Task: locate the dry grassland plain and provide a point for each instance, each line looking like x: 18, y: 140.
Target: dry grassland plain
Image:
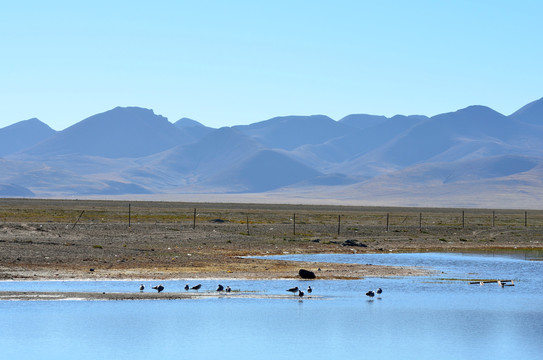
x: 93, y: 239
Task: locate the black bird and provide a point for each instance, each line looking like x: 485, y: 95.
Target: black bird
x: 196, y: 287
x: 158, y: 288
x: 142, y: 287
x: 293, y: 290
x: 187, y: 287
x: 300, y: 293
x: 220, y: 288
x: 228, y: 289
x: 379, y: 291
x: 309, y: 290
x: 370, y: 294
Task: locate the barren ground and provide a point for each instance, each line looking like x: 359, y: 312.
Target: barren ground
x: 76, y: 239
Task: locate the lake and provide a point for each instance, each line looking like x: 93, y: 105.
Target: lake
x: 439, y: 316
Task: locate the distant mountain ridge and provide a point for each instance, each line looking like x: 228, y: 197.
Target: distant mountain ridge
x: 120, y: 132
x: 22, y: 135
x: 129, y: 151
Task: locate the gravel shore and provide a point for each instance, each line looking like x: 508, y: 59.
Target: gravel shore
x: 54, y: 239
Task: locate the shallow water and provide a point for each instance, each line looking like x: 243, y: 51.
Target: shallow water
x: 415, y: 318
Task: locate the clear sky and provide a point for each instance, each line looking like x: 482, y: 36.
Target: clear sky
x: 236, y: 62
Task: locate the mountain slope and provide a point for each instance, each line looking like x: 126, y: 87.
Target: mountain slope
x: 265, y: 170
x: 22, y: 135
x: 531, y: 113
x: 468, y: 157
x: 221, y: 149
x: 121, y: 132
x: 289, y: 132
x: 11, y: 190
x: 363, y: 121
x: 192, y: 130
x: 355, y: 143
x: 435, y: 136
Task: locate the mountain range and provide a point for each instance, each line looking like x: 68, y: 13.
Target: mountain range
x: 473, y: 157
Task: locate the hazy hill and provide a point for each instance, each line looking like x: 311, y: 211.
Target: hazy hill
x: 213, y: 153
x: 265, y: 170
x: 24, y: 134
x: 229, y: 160
x: 289, y: 132
x: 471, y: 156
x: 192, y: 130
x: 121, y: 132
x: 363, y: 121
x: 467, y: 170
x: 473, y: 125
x: 188, y: 123
x: 11, y: 190
x: 530, y: 113
x: 357, y: 142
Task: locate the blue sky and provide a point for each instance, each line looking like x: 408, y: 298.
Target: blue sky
x: 236, y: 62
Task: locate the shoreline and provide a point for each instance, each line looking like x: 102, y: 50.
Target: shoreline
x: 99, y: 240
x: 328, y: 271
x: 116, y: 296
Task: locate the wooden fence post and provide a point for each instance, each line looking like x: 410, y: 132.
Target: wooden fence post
x: 248, y: 232
x: 294, y: 224
x: 493, y: 217
x: 194, y: 219
x: 78, y: 219
x: 129, y: 215
x: 339, y: 224
x: 388, y: 216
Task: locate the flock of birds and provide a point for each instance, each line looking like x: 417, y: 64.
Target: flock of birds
x: 160, y: 288
x: 301, y: 294
x: 220, y: 288
x: 372, y: 293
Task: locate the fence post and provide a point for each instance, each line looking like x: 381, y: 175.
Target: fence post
x: 248, y: 232
x: 78, y: 219
x: 194, y: 219
x: 388, y: 216
x: 493, y: 217
x: 129, y: 214
x: 294, y: 224
x: 420, y: 221
x: 463, y: 222
x: 338, y: 224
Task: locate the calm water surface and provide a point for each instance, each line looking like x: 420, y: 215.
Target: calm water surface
x: 434, y: 317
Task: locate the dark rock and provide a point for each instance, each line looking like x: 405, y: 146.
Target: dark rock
x: 220, y: 221
x: 306, y: 274
x: 353, y: 243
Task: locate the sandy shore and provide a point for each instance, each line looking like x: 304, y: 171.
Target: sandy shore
x: 56, y: 295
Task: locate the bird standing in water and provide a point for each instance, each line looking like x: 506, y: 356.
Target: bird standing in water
x: 159, y: 288
x: 220, y: 288
x: 293, y: 290
x: 196, y: 287
x: 309, y: 290
x: 370, y: 293
x: 142, y: 287
x: 379, y: 291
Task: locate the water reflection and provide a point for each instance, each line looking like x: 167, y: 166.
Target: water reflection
x: 439, y: 316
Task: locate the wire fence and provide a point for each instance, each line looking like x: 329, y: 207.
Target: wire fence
x: 254, y: 219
